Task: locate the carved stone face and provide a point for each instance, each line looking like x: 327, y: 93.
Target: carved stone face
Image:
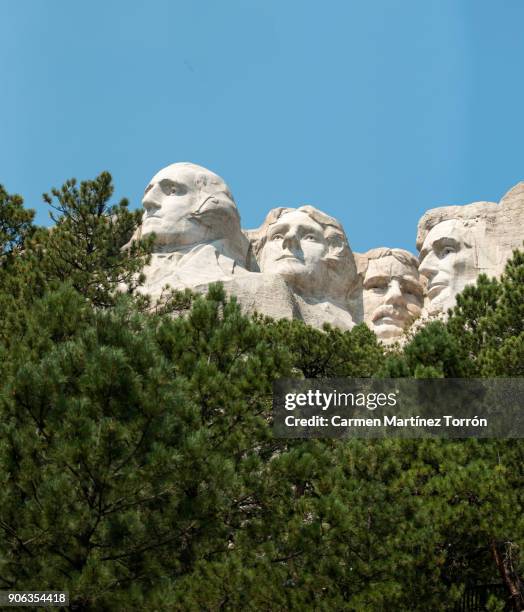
x: 448, y: 262
x: 296, y: 249
x: 392, y: 296
x: 179, y: 203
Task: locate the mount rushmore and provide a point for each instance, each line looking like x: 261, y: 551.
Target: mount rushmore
x: 299, y: 264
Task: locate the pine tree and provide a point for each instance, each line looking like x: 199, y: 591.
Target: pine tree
x: 488, y: 323
x: 128, y: 443
x: 16, y: 230
x: 16, y: 226
x: 86, y: 245
x: 329, y: 352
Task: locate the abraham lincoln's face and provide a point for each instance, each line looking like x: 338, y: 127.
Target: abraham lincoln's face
x: 447, y: 260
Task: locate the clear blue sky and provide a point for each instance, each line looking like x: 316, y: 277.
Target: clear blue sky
x: 371, y: 110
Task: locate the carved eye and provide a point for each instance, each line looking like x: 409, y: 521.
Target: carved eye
x: 447, y: 250
x: 172, y: 188
x: 277, y: 237
x: 410, y: 290
x: 310, y: 237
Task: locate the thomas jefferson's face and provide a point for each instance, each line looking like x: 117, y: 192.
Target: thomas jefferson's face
x: 295, y: 248
x: 392, y: 296
x: 448, y: 262
x: 170, y: 201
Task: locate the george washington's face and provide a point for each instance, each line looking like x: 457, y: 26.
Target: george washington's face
x: 175, y: 202
x: 169, y: 201
x: 447, y: 260
x: 392, y: 296
x: 295, y: 248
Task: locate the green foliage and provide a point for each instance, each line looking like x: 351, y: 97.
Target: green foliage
x: 16, y: 230
x: 86, y: 245
x: 328, y: 353
x: 433, y: 353
x: 16, y: 225
x: 488, y: 323
x: 139, y: 471
x: 84, y: 248
x: 119, y: 463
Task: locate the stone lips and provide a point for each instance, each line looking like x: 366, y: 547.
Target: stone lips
x: 299, y: 264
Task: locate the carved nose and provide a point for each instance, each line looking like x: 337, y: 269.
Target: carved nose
x: 150, y: 205
x: 152, y: 198
x: 394, y: 293
x: 427, y: 266
x: 290, y: 242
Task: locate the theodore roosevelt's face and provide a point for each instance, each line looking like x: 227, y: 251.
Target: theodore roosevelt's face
x: 392, y: 296
x: 447, y: 260
x: 171, y: 201
x: 295, y: 248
